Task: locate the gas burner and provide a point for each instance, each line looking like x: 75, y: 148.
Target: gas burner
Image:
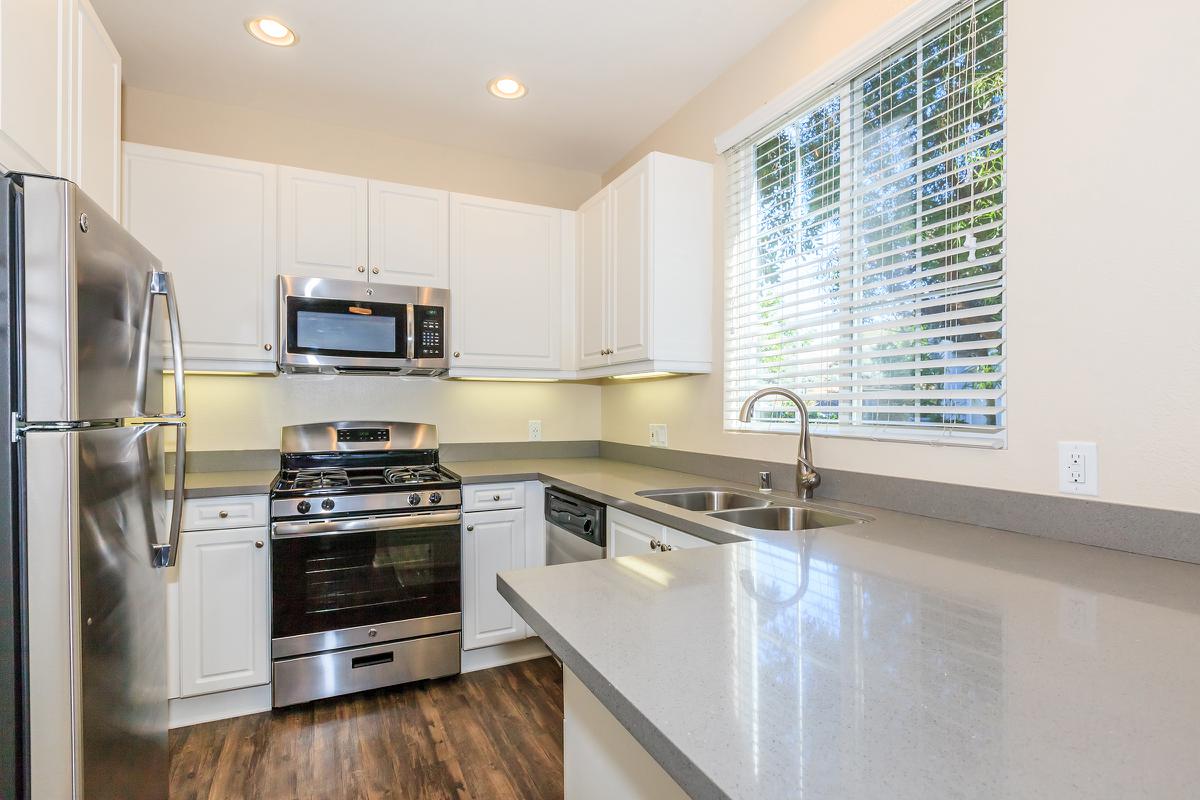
x: 320, y: 479
x: 403, y: 476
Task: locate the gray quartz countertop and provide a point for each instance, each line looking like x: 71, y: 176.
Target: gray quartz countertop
x: 906, y: 657
x: 220, y: 484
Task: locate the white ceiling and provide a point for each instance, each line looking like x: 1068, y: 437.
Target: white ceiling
x: 602, y: 74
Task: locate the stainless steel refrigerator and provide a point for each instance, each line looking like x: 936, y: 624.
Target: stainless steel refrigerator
x: 92, y: 531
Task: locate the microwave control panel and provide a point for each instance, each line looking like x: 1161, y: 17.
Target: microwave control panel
x: 430, y: 328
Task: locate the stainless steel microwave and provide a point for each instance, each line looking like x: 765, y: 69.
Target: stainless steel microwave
x: 352, y: 327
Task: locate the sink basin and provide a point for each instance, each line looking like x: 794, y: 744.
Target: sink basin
x: 784, y: 518
x: 706, y: 499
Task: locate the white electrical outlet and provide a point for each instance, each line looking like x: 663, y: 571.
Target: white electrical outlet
x: 658, y: 435
x: 1078, y: 468
x: 535, y: 430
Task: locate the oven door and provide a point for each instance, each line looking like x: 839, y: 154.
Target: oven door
x: 337, y: 326
x: 349, y: 582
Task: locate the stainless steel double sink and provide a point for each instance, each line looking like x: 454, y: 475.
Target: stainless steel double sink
x: 764, y: 513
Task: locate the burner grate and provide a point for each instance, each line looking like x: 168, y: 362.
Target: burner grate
x: 321, y: 479
x: 403, y: 476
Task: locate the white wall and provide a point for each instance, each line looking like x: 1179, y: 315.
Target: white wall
x: 1104, y: 284
x: 242, y: 413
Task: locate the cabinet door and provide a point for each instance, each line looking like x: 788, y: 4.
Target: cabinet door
x: 34, y: 45
x: 322, y: 224
x: 629, y: 290
x: 506, y: 284
x: 591, y: 308
x: 212, y: 222
x: 682, y: 540
x: 224, y: 639
x: 629, y: 535
x: 493, y: 541
x: 95, y: 137
x: 409, y: 237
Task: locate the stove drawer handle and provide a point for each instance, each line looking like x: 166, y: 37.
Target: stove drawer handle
x: 366, y: 524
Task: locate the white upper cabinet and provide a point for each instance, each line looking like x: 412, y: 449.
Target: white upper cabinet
x: 506, y: 286
x: 646, y: 271
x: 34, y: 52
x: 629, y: 270
x: 60, y: 95
x: 592, y: 238
x: 95, y: 140
x: 408, y: 237
x: 322, y: 224
x: 211, y: 221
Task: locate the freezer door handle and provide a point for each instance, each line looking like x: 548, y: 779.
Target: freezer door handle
x: 160, y: 283
x: 164, y: 555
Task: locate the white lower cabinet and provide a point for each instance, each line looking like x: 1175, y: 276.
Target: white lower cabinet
x: 631, y: 535
x: 493, y: 541
x: 223, y: 631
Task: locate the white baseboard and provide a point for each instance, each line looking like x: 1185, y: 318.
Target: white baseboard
x: 184, y: 711
x: 501, y: 654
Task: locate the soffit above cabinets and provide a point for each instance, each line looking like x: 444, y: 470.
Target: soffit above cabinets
x: 600, y: 76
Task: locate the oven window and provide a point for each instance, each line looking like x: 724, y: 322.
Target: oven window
x: 323, y: 330
x: 323, y: 583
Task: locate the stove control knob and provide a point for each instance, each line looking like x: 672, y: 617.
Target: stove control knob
x: 414, y: 499
x: 303, y: 507
x: 327, y: 504
x: 435, y: 498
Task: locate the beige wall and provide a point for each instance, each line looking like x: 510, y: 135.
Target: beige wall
x: 1104, y: 284
x: 235, y: 413
x: 241, y: 413
x: 186, y: 123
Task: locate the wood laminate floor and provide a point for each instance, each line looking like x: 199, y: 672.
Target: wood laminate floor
x: 493, y: 734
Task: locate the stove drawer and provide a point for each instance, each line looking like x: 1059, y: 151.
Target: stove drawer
x: 493, y: 496
x: 298, y: 680
x: 239, y: 511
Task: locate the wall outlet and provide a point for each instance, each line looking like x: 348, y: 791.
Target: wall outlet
x: 535, y: 430
x: 1078, y: 468
x: 658, y: 435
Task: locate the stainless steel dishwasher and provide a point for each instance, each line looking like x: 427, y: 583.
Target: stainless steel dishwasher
x: 574, y: 528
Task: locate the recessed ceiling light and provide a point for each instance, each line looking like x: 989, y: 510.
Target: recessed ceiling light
x: 271, y: 31
x: 507, y: 88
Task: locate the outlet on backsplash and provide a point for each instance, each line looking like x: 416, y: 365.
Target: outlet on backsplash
x: 658, y: 435
x: 535, y: 430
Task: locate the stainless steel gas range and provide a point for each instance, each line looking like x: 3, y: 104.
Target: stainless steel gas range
x: 365, y: 560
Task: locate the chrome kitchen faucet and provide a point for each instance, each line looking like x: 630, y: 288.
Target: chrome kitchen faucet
x: 807, y: 477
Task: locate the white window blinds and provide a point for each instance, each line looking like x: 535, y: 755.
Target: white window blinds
x: 865, y: 247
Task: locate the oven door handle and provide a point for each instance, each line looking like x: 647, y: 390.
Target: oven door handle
x: 362, y: 524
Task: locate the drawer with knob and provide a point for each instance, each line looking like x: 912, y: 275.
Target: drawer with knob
x: 238, y: 511
x: 488, y: 497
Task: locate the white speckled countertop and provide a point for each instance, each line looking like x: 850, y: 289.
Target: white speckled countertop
x: 903, y: 658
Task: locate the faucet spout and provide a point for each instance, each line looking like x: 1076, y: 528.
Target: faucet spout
x: 807, y: 477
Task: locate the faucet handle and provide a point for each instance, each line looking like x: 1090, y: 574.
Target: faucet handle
x: 764, y: 481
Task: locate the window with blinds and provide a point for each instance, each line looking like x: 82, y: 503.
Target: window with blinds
x: 865, y: 261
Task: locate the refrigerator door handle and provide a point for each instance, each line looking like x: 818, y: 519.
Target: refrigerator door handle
x: 164, y: 555
x: 160, y: 283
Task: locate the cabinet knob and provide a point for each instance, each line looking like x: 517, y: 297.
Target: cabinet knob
x: 496, y: 497
x: 362, y: 269
x: 222, y: 514
x: 259, y: 544
x: 372, y: 633
x: 374, y: 270
x: 268, y: 347
x: 655, y: 544
x: 665, y: 547
x: 457, y: 354
x: 470, y: 527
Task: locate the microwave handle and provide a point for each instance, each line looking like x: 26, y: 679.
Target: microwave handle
x: 410, y: 333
